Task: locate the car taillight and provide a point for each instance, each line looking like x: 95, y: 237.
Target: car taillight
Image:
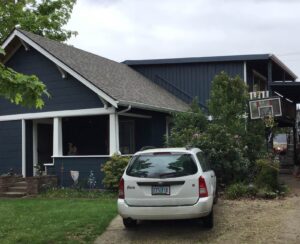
x: 121, y: 189
x: 202, y: 187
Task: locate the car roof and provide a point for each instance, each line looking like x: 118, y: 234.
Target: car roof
x: 173, y: 149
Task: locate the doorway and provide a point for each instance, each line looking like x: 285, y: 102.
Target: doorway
x: 42, y: 143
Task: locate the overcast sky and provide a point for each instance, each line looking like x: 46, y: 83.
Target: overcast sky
x: 147, y: 29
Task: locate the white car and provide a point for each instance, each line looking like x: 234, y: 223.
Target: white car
x: 165, y: 184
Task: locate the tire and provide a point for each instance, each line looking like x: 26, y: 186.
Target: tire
x: 208, y: 221
x: 129, y: 223
x: 216, y: 197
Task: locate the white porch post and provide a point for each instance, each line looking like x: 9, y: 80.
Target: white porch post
x: 34, y: 146
x: 113, y: 133
x: 23, y: 148
x: 57, y: 137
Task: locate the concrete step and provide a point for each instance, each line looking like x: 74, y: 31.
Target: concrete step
x: 21, y: 183
x: 17, y: 189
x: 286, y: 171
x: 13, y: 194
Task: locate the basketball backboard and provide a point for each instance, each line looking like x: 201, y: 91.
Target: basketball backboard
x: 261, y: 108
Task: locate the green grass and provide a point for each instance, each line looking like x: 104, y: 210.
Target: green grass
x: 47, y: 220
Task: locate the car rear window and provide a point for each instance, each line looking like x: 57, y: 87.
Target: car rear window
x: 162, y: 165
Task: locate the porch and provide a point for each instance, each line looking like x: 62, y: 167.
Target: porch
x: 84, y: 140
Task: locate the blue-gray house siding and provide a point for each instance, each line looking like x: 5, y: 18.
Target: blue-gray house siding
x: 66, y: 94
x: 189, y: 80
x: 11, y: 146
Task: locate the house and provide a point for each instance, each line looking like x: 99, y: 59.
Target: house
x: 266, y: 76
x: 98, y: 107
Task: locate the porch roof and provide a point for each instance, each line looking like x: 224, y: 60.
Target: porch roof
x: 290, y: 90
x: 117, y: 81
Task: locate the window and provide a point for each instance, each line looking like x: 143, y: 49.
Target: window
x: 203, y: 162
x: 127, y: 136
x: 162, y: 165
x: 85, y: 135
x: 259, y: 82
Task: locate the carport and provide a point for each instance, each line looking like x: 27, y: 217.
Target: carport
x: 290, y: 96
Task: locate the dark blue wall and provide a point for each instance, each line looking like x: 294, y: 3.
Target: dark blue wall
x: 63, y: 166
x: 66, y: 94
x: 148, y: 132
x: 189, y: 80
x: 11, y: 146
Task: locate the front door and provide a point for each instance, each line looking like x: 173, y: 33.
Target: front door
x: 44, y: 143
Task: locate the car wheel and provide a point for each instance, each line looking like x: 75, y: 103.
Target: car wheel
x: 208, y: 221
x: 129, y: 223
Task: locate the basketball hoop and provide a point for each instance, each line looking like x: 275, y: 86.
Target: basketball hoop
x: 265, y: 108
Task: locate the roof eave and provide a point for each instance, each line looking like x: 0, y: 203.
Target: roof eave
x: 283, y: 66
x: 151, y: 107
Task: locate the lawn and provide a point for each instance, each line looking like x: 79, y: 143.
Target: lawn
x: 47, y: 220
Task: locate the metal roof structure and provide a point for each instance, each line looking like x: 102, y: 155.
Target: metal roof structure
x: 230, y: 58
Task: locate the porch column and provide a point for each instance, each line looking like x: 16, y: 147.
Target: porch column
x: 57, y: 137
x: 270, y: 78
x: 113, y: 133
x: 23, y: 147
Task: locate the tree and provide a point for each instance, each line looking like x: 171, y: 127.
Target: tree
x: 187, y: 126
x: 45, y: 18
x: 231, y: 141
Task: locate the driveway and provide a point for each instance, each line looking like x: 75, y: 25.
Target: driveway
x: 245, y: 221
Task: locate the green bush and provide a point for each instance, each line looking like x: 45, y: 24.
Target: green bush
x: 113, y: 171
x: 267, y: 175
x: 236, y: 190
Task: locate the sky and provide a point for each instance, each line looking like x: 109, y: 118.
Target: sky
x: 149, y: 29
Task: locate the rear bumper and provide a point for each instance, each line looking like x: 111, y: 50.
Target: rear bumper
x: 201, y: 209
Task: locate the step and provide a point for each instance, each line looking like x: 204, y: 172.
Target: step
x: 13, y: 194
x: 17, y: 189
x: 285, y: 171
x: 21, y: 183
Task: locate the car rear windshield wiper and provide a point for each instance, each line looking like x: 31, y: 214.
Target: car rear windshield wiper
x: 173, y: 174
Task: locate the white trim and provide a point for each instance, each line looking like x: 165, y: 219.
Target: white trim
x: 245, y: 72
x: 62, y: 72
x: 61, y: 65
x: 136, y: 115
x: 63, y: 113
x: 57, y: 137
x: 149, y: 107
x: 113, y: 134
x: 81, y: 156
x: 24, y: 45
x: 34, y: 146
x: 23, y: 148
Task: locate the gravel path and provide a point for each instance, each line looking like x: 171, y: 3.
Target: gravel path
x: 245, y: 221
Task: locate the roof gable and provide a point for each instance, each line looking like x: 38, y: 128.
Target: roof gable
x: 115, y: 82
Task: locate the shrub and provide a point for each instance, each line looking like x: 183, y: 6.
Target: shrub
x: 113, y: 171
x: 267, y: 176
x: 236, y: 190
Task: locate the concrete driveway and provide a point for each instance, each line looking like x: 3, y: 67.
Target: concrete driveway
x: 245, y: 221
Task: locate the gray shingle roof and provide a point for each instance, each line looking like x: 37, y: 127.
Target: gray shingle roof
x: 117, y: 80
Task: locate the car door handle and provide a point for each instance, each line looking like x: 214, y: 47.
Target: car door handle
x: 212, y: 176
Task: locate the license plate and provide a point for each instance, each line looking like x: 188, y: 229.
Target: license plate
x: 160, y: 190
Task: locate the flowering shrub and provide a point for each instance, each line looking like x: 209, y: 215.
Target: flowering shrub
x: 113, y: 170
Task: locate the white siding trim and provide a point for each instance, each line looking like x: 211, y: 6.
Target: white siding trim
x: 23, y: 148
x: 63, y: 113
x: 61, y: 65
